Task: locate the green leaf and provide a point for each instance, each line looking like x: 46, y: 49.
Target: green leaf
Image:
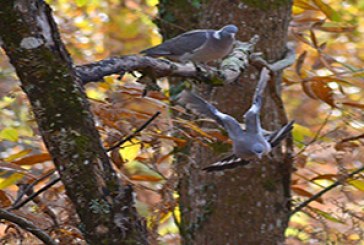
x: 327, y: 216
x: 299, y: 133
x: 327, y: 10
x: 10, y: 134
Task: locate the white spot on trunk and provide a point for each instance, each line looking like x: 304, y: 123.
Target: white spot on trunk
x: 31, y: 42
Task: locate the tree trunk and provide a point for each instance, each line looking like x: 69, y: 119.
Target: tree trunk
x: 30, y: 38
x: 241, y: 206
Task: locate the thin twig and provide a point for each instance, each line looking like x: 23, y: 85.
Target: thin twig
x: 317, y: 135
x: 322, y: 192
x: 28, y: 226
x: 31, y: 186
x: 141, y: 128
x: 35, y: 194
x: 360, y: 136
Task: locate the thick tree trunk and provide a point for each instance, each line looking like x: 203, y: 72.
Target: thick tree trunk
x: 241, y: 206
x: 30, y: 38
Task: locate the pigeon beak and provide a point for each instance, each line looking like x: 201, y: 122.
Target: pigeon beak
x: 259, y: 155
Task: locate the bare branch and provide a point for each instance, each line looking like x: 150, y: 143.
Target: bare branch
x: 31, y: 186
x: 238, y: 60
x: 322, y: 192
x: 230, y: 68
x: 289, y: 58
x: 35, y: 194
x: 28, y: 226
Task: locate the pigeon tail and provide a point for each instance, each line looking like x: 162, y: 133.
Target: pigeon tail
x: 229, y: 162
x: 276, y: 137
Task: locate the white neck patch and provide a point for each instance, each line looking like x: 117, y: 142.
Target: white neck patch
x: 217, y: 35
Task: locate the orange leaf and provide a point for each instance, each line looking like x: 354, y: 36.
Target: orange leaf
x: 305, y: 193
x: 319, y: 90
x: 34, y: 159
x: 325, y: 176
x: 145, y: 178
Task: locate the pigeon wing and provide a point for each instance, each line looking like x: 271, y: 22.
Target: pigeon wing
x: 199, y: 105
x: 187, y: 42
x: 252, y: 116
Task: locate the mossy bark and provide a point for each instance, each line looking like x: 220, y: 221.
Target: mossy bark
x: 31, y: 40
x: 241, y: 206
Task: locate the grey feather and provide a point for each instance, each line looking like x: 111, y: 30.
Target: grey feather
x: 197, y: 45
x: 229, y: 162
x: 277, y: 136
x: 199, y: 105
x: 252, y: 142
x: 252, y: 116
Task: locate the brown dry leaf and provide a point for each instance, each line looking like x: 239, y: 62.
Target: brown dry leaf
x: 346, y: 146
x: 180, y: 142
x: 164, y: 157
x: 38, y: 219
x: 300, y: 62
x: 194, y: 127
x: 313, y: 38
x: 116, y: 158
x: 302, y: 38
x: 353, y: 104
x: 319, y: 90
x: 336, y: 27
x: 71, y: 233
x: 34, y: 159
x: 326, y: 176
x: 15, y: 168
x: 302, y: 192
x: 4, y: 199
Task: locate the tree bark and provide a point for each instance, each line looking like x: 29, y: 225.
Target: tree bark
x: 241, y: 206
x: 31, y: 40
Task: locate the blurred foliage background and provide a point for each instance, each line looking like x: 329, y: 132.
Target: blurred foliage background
x: 323, y: 92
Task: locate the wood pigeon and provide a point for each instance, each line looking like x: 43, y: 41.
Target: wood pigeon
x: 197, y: 45
x: 248, y: 143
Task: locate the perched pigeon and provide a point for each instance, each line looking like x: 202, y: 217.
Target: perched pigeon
x: 248, y: 143
x: 197, y: 45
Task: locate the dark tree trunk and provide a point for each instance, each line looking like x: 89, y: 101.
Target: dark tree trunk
x: 30, y: 38
x: 241, y: 206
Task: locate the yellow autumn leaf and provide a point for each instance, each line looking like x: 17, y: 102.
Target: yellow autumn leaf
x: 17, y: 155
x: 130, y: 150
x: 10, y: 134
x: 11, y: 180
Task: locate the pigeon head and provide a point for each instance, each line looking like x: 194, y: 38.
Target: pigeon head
x: 258, y: 150
x: 228, y: 31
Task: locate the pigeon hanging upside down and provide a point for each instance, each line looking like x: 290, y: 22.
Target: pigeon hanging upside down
x: 197, y: 46
x: 254, y: 141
